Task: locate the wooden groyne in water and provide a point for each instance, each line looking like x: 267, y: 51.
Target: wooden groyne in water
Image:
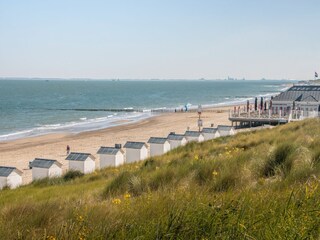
x: 169, y: 110
x: 110, y: 110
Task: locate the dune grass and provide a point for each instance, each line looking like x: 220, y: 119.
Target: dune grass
x: 255, y: 185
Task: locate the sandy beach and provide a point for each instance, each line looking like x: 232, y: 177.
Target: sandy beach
x: 19, y: 152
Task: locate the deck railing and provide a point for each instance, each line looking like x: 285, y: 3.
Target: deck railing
x: 292, y: 115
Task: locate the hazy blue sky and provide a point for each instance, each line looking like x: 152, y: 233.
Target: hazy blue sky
x: 160, y: 39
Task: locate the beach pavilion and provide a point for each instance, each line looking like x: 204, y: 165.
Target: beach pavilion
x: 83, y: 162
x: 45, y: 168
x: 158, y: 146
x: 10, y: 177
x: 305, y: 98
x: 136, y: 151
x: 111, y: 156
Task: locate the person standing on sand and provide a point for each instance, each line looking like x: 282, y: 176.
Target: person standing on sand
x: 68, y: 149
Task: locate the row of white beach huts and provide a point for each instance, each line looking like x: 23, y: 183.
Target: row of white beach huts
x: 110, y: 156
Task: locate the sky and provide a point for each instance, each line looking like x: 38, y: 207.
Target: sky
x: 163, y: 39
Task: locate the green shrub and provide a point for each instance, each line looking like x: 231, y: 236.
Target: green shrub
x: 48, y: 181
x: 95, y: 177
x: 119, y: 184
x: 204, y: 171
x: 280, y: 159
x: 136, y: 185
x: 72, y: 174
x: 225, y: 182
x: 150, y: 164
x: 316, y: 157
x: 161, y: 178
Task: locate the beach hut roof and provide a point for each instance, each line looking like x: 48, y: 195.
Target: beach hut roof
x: 224, y: 128
x: 177, y: 137
x: 6, y: 171
x: 75, y: 156
x: 109, y: 150
x: 134, y: 145
x: 157, y: 140
x: 192, y: 133
x: 302, y: 93
x: 209, y: 130
x: 44, y: 163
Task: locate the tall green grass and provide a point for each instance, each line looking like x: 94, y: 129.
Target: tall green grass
x: 255, y: 185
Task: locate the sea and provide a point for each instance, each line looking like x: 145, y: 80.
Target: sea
x: 36, y: 107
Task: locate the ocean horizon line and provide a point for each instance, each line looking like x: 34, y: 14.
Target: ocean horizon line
x: 143, y: 79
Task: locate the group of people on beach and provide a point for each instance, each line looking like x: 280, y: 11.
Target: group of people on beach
x: 185, y: 109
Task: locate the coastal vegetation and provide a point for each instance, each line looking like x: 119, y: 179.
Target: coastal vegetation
x: 254, y: 185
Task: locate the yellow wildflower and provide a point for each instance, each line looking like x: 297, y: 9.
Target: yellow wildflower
x: 196, y: 157
x: 127, y: 196
x: 215, y: 173
x: 116, y: 201
x: 80, y: 218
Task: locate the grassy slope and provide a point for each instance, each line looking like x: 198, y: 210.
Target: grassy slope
x: 256, y: 185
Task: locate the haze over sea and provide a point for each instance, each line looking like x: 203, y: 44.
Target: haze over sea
x: 36, y: 107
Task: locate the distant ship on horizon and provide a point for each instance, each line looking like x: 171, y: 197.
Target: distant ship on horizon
x: 234, y: 79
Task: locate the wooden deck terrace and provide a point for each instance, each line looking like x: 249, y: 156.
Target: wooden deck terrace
x: 255, y: 118
x: 258, y: 118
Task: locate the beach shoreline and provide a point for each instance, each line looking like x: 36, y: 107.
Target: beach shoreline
x: 19, y: 152
x: 101, y: 104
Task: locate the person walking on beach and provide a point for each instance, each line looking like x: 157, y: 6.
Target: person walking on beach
x: 68, y: 149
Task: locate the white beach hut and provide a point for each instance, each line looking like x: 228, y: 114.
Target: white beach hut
x: 136, y: 151
x: 158, y: 146
x: 225, y: 130
x: 176, y: 140
x: 45, y: 168
x: 111, y: 156
x: 194, y: 136
x: 210, y: 133
x: 10, y: 177
x: 83, y: 162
